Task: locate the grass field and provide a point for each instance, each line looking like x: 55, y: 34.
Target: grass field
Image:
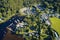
x: 56, y: 24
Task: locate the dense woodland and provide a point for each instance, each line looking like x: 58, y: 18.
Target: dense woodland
x: 9, y: 8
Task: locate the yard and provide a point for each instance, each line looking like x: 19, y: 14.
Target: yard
x: 56, y: 24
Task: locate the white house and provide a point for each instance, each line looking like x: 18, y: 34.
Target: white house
x: 21, y: 24
x: 48, y: 22
x: 1, y: 20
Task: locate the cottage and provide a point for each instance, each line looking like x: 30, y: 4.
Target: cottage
x: 20, y: 25
x: 1, y: 19
x: 48, y: 22
x: 44, y: 17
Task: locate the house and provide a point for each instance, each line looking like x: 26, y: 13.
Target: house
x: 21, y: 24
x: 1, y: 19
x: 44, y: 16
x: 48, y: 22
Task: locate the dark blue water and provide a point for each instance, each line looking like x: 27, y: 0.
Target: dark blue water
x: 2, y: 33
x: 7, y: 23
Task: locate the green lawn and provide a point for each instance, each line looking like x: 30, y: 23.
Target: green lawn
x: 56, y: 24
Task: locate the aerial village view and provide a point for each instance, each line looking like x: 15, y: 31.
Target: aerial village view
x: 29, y: 19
